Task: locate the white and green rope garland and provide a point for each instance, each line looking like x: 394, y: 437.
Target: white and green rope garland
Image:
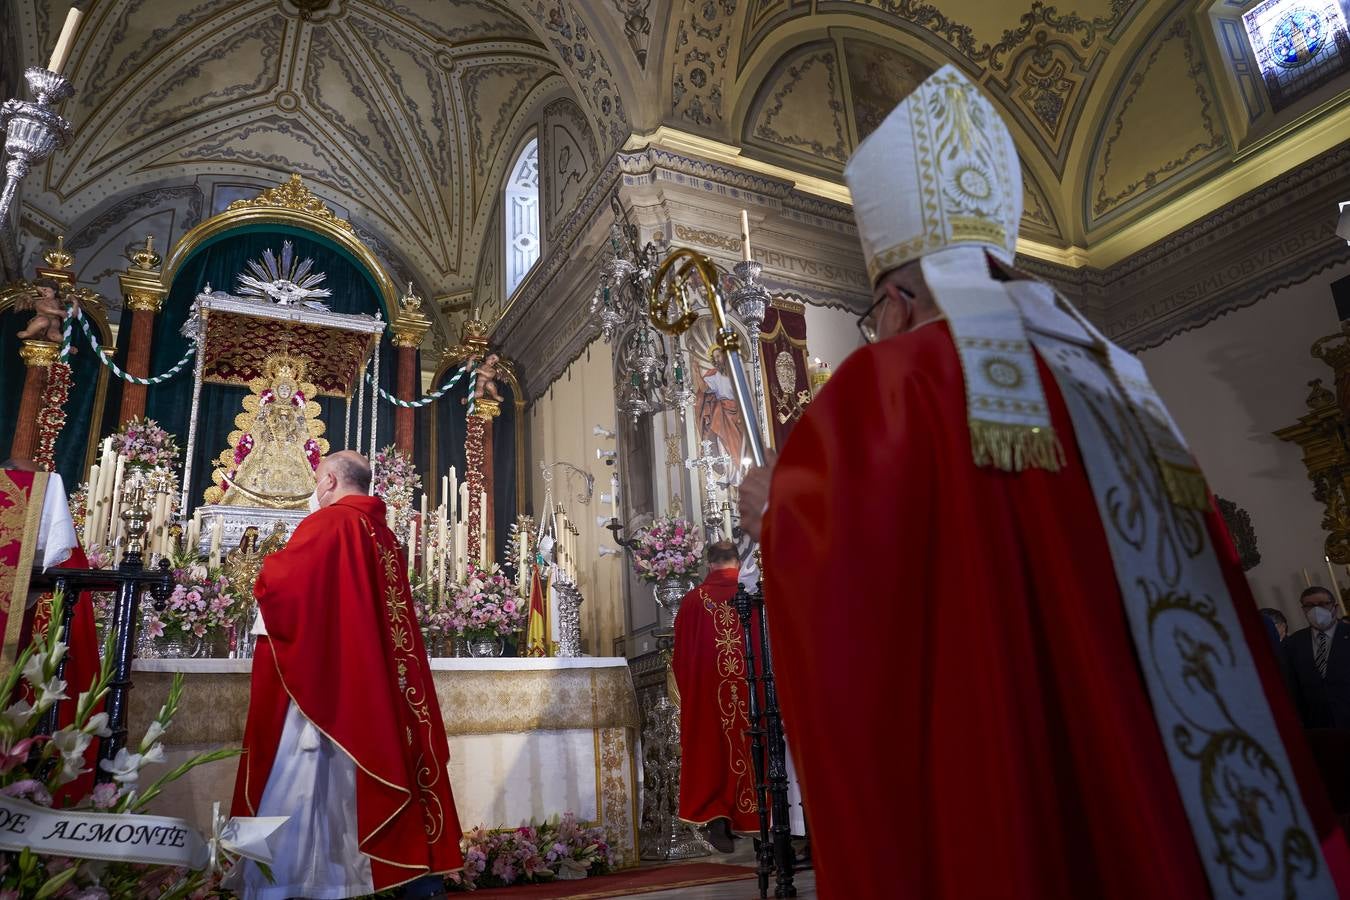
x: 106, y: 358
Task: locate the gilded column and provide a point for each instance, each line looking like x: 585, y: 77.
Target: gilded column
x: 485, y: 411
x: 409, y: 327
x: 37, y: 356
x: 144, y: 293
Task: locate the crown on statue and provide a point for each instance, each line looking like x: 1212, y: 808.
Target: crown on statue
x: 284, y: 373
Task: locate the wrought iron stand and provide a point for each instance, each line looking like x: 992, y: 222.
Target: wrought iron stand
x: 768, y: 752
x: 130, y: 580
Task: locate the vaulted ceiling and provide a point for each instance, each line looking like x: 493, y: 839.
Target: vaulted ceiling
x: 1119, y: 108
x: 404, y: 114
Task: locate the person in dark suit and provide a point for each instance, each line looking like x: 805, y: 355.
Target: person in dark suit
x: 1316, y: 663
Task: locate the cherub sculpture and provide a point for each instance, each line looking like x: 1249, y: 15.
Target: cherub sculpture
x: 486, y: 387
x: 49, y: 311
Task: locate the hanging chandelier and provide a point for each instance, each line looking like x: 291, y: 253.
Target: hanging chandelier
x: 651, y: 372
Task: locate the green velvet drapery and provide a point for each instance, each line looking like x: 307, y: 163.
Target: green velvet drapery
x: 72, y: 446
x: 218, y: 264
x: 448, y: 417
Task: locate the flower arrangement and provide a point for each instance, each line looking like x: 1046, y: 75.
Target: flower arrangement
x: 486, y: 606
x: 559, y: 848
x: 145, y: 445
x: 434, y: 616
x: 34, y: 767
x: 667, y: 548
x: 200, y: 606
x: 51, y: 416
x: 396, y: 482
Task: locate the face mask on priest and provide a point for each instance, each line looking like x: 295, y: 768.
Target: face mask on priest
x: 325, y: 483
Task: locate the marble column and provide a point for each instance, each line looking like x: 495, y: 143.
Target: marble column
x: 409, y: 327
x: 37, y: 356
x: 144, y: 293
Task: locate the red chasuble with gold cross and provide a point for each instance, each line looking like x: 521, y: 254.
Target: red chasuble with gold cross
x: 717, y: 780
x: 343, y: 643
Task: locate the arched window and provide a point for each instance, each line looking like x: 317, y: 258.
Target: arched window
x: 522, y: 216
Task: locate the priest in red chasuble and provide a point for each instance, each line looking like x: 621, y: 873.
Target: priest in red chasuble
x: 344, y: 733
x: 717, y: 781
x: 1059, y: 686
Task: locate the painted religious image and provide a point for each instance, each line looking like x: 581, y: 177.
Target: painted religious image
x: 717, y: 418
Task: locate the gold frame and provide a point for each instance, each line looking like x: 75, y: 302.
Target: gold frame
x: 9, y: 294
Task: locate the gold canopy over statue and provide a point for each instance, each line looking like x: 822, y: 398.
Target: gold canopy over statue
x: 277, y: 444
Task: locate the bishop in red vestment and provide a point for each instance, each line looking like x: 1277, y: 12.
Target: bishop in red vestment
x: 1059, y: 686
x: 717, y: 780
x: 344, y: 732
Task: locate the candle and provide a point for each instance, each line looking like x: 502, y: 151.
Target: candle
x: 65, y: 42
x: 1335, y: 585
x: 217, y: 540
x: 482, y: 529
x: 745, y: 236
x: 463, y: 503
x: 452, y: 495
x: 445, y: 487
x: 614, y: 496
x: 412, y: 549
x: 1307, y: 579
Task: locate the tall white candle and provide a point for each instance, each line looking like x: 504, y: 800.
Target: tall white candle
x: 483, y: 554
x: 217, y: 540
x: 65, y: 42
x: 452, y: 495
x: 745, y: 236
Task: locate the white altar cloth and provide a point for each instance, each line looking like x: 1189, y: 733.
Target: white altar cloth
x: 529, y: 738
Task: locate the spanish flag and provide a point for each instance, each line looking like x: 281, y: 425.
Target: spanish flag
x: 536, y: 632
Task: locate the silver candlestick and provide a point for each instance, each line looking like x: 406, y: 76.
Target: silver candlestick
x: 750, y: 301
x: 32, y: 131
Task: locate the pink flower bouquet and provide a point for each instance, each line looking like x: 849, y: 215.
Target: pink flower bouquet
x: 667, y: 548
x: 486, y: 606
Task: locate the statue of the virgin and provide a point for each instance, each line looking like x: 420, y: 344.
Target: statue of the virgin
x: 277, y: 445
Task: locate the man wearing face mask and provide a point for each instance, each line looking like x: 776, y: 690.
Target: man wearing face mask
x: 1317, y: 663
x: 1066, y: 656
x: 344, y: 733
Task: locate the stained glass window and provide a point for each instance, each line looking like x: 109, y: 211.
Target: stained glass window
x: 1300, y: 45
x: 522, y: 216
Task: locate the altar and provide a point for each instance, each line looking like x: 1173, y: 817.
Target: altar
x: 529, y: 738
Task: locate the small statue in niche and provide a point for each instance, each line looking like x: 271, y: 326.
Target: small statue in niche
x: 486, y: 385
x: 49, y: 311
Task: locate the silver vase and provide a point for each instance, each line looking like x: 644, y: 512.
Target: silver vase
x: 670, y: 591
x: 486, y: 648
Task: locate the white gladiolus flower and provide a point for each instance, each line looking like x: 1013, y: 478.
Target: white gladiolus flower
x: 18, y: 714
x: 98, y: 725
x: 72, y: 745
x: 152, y: 733
x: 125, y: 767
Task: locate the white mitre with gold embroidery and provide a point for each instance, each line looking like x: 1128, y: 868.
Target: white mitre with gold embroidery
x: 939, y: 182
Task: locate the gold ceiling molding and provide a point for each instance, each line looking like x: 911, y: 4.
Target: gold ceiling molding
x: 288, y: 204
x: 293, y: 195
x: 1251, y: 171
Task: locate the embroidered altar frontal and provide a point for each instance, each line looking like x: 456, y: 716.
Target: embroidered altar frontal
x: 529, y: 738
